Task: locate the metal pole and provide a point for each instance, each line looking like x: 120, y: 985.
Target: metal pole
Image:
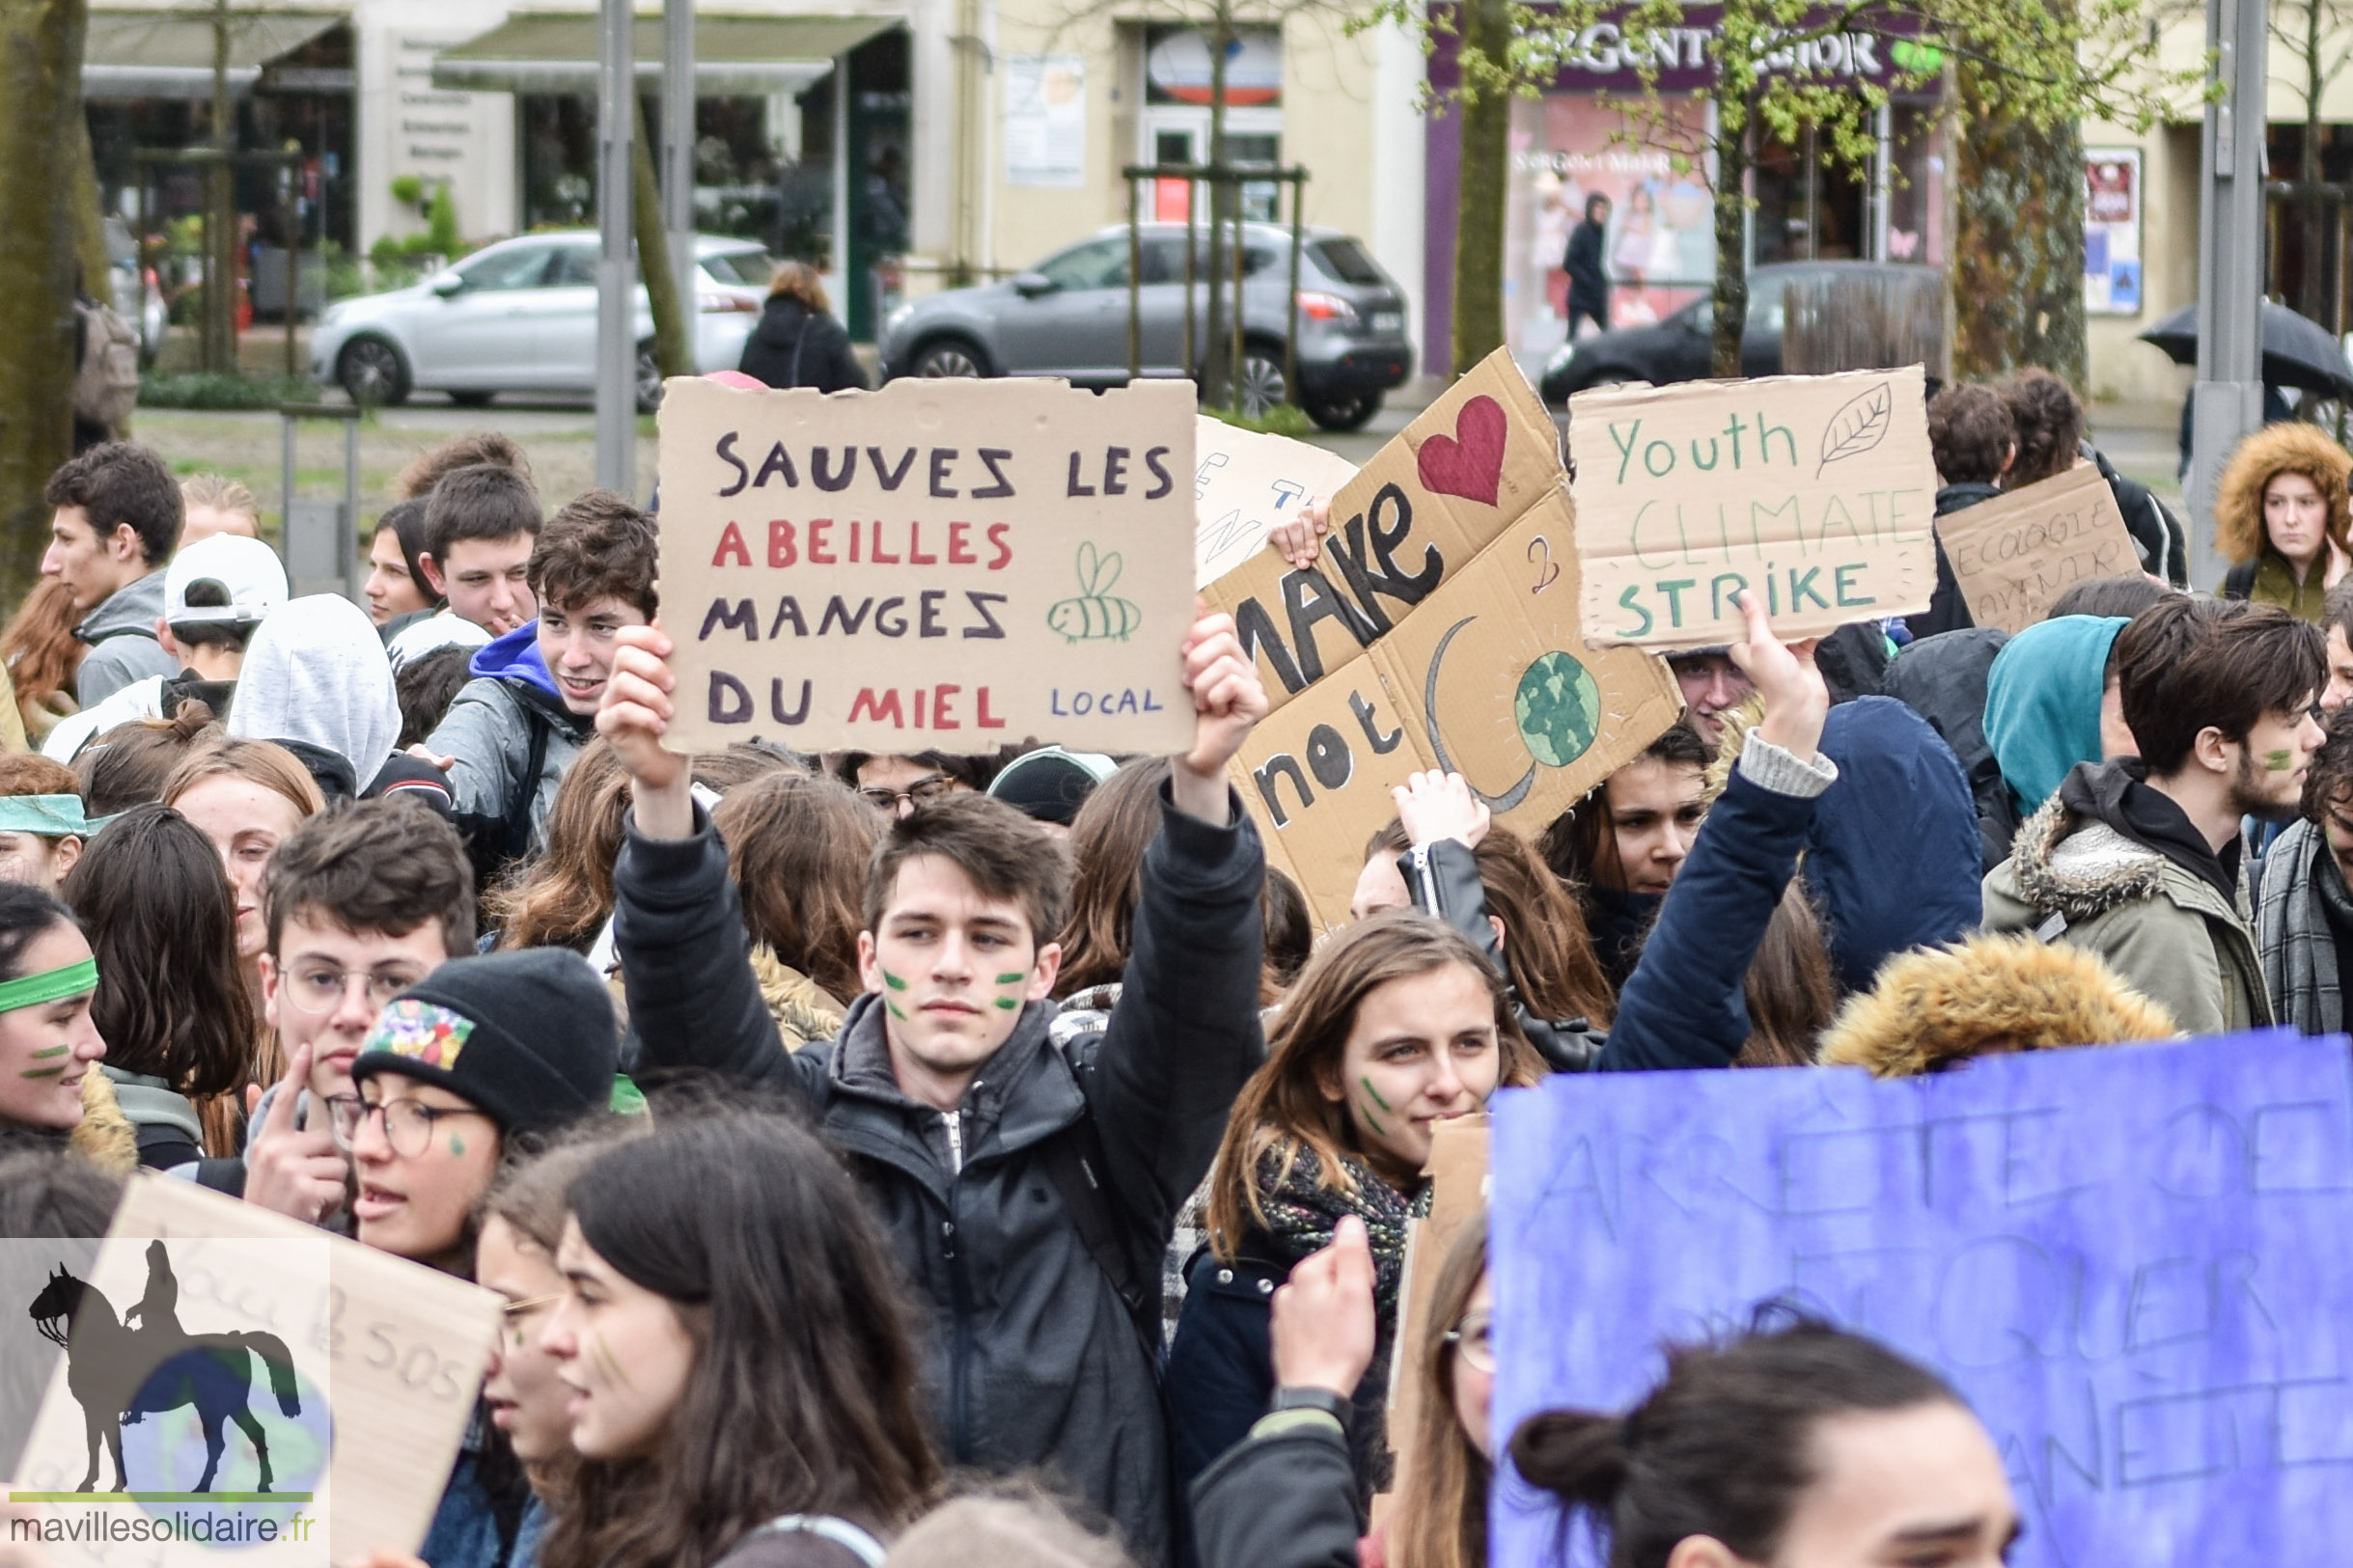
x: 285, y: 472
x: 1233, y: 364
x: 1135, y: 303
x: 679, y: 144
x: 292, y: 173
x: 615, y: 280
x: 2229, y: 397
x: 220, y: 221
x: 1192, y: 201
x: 1290, y: 332
x: 346, y: 538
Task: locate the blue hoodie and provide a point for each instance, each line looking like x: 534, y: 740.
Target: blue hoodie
x: 2042, y: 702
x: 515, y: 656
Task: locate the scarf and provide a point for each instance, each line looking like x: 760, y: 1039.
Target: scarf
x: 2303, y: 904
x: 1302, y: 1213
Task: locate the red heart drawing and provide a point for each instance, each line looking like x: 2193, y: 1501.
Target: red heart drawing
x: 1470, y: 462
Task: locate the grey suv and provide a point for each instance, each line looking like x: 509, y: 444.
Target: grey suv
x: 1068, y: 316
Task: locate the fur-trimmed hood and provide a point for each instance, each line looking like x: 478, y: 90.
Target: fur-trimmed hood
x: 104, y: 1135
x: 2073, y: 866
x: 1939, y: 1006
x: 2290, y: 447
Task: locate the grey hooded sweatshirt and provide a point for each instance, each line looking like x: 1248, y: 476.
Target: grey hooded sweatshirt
x: 121, y: 631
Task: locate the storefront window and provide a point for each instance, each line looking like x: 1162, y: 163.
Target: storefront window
x: 736, y: 166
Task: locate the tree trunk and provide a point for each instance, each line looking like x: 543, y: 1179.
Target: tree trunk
x: 674, y: 344
x: 1731, y: 212
x: 1481, y: 189
x: 1217, y: 366
x: 40, y: 89
x: 2312, y: 297
x: 2019, y: 300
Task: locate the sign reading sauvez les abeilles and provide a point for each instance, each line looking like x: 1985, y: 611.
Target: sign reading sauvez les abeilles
x: 941, y: 565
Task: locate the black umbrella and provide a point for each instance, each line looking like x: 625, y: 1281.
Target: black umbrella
x: 2298, y: 351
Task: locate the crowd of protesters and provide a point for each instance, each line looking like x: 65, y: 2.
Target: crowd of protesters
x: 977, y: 1159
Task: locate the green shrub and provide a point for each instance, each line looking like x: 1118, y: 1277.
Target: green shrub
x: 1284, y: 419
x: 441, y: 223
x: 212, y: 390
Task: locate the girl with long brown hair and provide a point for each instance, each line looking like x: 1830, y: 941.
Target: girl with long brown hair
x: 1438, y: 1515
x: 41, y: 657
x: 739, y: 1356
x: 798, y: 848
x: 1397, y: 1024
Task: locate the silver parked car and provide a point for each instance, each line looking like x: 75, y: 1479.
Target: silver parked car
x: 520, y: 316
x: 1068, y: 316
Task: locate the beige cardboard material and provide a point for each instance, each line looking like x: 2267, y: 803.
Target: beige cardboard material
x: 946, y: 564
x: 397, y: 1349
x: 1429, y: 501
x: 1457, y: 1168
x: 1818, y: 490
x: 1245, y: 483
x: 1482, y: 676
x: 2015, y: 554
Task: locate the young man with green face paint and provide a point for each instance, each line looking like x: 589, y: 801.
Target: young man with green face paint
x: 978, y: 1140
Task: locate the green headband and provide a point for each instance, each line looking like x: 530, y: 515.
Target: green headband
x: 47, y: 817
x: 49, y: 985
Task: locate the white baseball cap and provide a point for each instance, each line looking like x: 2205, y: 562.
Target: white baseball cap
x: 249, y: 569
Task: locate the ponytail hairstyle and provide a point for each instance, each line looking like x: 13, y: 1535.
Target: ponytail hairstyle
x: 1440, y: 1517
x: 1723, y: 1445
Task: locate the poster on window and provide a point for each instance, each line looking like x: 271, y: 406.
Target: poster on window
x: 2112, y: 231
x: 1045, y: 119
x: 1657, y: 252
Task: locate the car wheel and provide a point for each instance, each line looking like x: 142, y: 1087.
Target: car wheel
x: 950, y: 356
x: 648, y: 379
x: 1262, y: 385
x: 473, y: 399
x: 1350, y: 413
x: 372, y: 373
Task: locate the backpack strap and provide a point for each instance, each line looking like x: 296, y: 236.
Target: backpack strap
x: 516, y: 842
x: 1074, y: 1162
x: 859, y: 1543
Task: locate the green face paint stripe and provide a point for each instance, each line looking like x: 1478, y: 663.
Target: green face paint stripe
x: 1372, y: 1121
x: 894, y: 1006
x: 1376, y: 1093
x: 58, y: 1071
x: 1015, y: 978
x: 2277, y: 762
x: 893, y: 981
x: 1009, y: 1004
x: 47, y: 1052
x: 458, y: 1145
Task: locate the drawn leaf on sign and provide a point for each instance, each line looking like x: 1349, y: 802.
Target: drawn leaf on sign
x: 1860, y: 424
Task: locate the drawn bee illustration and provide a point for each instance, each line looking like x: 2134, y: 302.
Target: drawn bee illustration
x: 1094, y: 616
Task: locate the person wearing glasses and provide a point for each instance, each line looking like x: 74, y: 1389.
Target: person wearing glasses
x: 481, y: 1057
x: 896, y: 784
x: 357, y: 906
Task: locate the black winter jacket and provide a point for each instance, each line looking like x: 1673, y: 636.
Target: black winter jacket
x: 794, y: 346
x: 1443, y: 878
x: 1033, y: 1360
x: 1283, y: 1500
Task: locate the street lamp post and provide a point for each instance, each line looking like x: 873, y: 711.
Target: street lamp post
x: 2229, y: 400
x: 616, y: 278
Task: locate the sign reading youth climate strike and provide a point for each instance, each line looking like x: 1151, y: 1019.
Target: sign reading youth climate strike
x: 943, y: 564
x: 1438, y: 629
x: 1816, y: 491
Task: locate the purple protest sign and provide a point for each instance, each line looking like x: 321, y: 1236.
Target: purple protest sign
x: 2132, y: 1262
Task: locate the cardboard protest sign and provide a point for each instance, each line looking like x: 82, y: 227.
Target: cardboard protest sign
x: 945, y: 564
x: 1457, y: 1168
x: 2014, y: 554
x: 339, y: 1379
x: 2128, y: 1261
x: 1438, y: 631
x: 1816, y: 491
x: 1245, y: 483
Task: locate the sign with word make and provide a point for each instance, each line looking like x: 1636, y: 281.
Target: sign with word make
x: 1817, y: 492
x: 947, y: 565
x: 2014, y: 554
x: 1438, y: 629
x: 2129, y: 1260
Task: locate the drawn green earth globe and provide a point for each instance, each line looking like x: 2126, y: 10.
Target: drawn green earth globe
x: 1558, y: 707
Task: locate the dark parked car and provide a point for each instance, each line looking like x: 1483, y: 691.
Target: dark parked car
x: 1068, y: 316
x: 1678, y: 348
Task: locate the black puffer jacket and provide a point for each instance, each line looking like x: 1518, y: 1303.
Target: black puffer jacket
x: 1283, y: 1500
x: 1033, y: 1361
x: 795, y: 346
